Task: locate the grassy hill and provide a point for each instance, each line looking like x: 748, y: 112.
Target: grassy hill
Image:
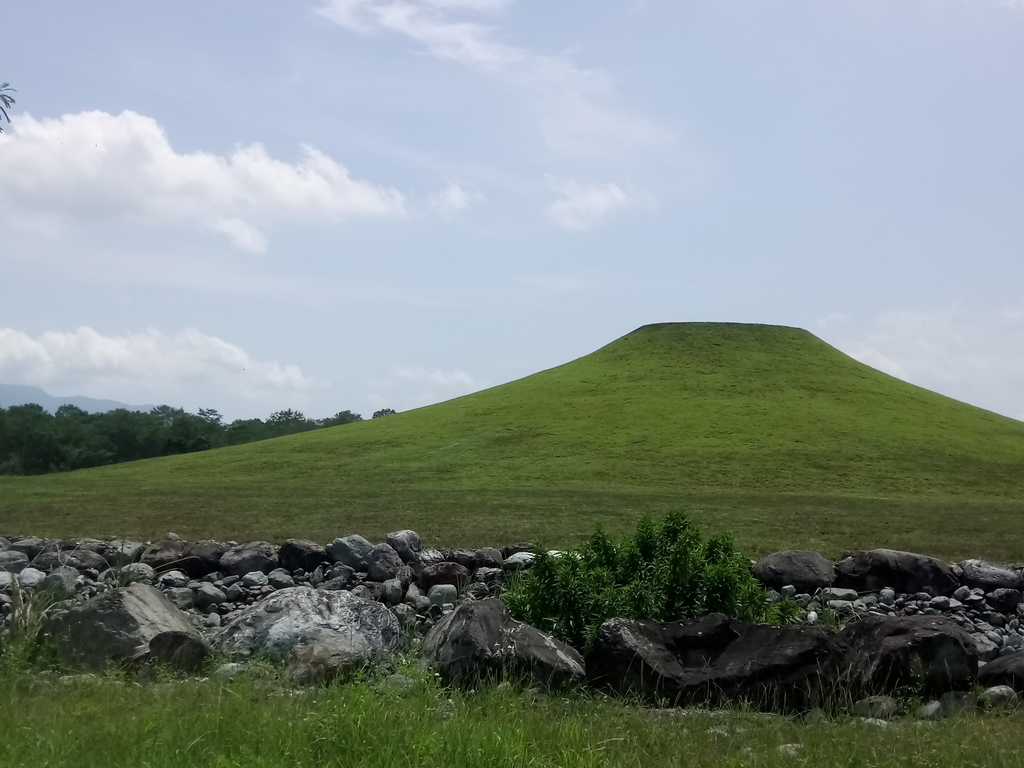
x: 763, y: 430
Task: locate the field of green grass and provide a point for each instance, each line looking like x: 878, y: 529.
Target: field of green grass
x: 765, y: 431
x: 97, y: 722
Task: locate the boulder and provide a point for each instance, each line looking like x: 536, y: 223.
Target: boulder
x: 383, y: 563
x: 407, y: 544
x: 163, y: 553
x: 280, y: 579
x: 871, y: 570
x: 318, y: 633
x: 254, y: 556
x: 60, y: 583
x: 353, y: 551
x: 30, y: 578
x: 5, y: 544
x: 80, y: 560
x: 517, y: 561
x: 1006, y: 670
x: 480, y: 640
x: 114, y: 627
x: 13, y: 561
x: 202, y: 557
x: 123, y: 551
x: 302, y: 554
x: 489, y: 557
x: 710, y: 659
x: 129, y: 574
x: 443, y: 573
x: 464, y: 557
x: 1005, y: 600
x: 32, y: 546
x: 515, y: 549
x: 989, y: 576
x: 184, y: 651
x: 807, y: 571
x: 85, y: 545
x: 884, y: 654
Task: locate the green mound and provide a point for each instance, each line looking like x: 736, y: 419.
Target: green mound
x: 765, y: 430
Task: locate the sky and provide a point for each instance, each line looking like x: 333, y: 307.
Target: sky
x: 358, y: 204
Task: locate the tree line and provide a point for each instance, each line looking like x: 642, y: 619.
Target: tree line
x: 35, y: 442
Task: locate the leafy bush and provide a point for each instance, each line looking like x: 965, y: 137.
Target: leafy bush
x: 660, y: 572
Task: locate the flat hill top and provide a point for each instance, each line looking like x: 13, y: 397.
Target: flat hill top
x: 764, y: 430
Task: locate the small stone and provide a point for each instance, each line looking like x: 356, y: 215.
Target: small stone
x: 790, y: 750
x: 875, y: 721
x: 182, y: 597
x: 877, y: 707
x: 61, y: 582
x: 518, y: 561
x: 393, y: 591
x: 961, y: 593
x: 405, y: 614
x: 232, y: 669
x: 930, y: 711
x: 13, y: 561
x: 173, y: 579
x: 887, y: 596
x: 787, y: 591
x: 939, y: 603
x: 208, y: 596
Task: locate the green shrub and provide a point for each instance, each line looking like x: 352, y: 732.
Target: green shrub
x: 660, y: 572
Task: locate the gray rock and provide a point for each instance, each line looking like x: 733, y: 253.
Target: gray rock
x: 908, y: 572
x: 84, y: 544
x: 489, y: 576
x: 986, y: 649
x: 30, y: 546
x: 877, y: 707
x: 7, y: 580
x: 5, y: 544
x: 203, y: 557
x: 120, y: 552
x: 393, y: 592
x: 254, y: 580
x: 301, y: 553
x: 163, y: 553
x: 318, y: 633
x: 887, y: 597
x: 79, y: 560
x: 442, y: 594
x: 13, y: 561
x: 1005, y: 600
x: 931, y: 710
x: 837, y: 593
x: 353, y: 551
x: 245, y: 558
x: 807, y: 571
x: 279, y: 578
x: 885, y: 653
x: 30, y: 578
x: 173, y: 579
x: 517, y: 561
x: 407, y: 544
x: 464, y: 557
x: 208, y: 595
x: 383, y: 563
x: 129, y: 574
x: 60, y: 583
x: 514, y: 549
x: 999, y: 697
x: 479, y: 640
x: 443, y: 573
x: 406, y: 616
x: 489, y: 557
x: 184, y: 651
x: 1006, y: 670
x: 230, y: 670
x: 182, y: 597
x: 234, y: 592
x: 431, y: 557
x: 115, y: 627
x: 989, y: 576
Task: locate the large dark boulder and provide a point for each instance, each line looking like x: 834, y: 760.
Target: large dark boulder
x: 116, y: 627
x: 807, y: 571
x: 884, y: 654
x: 989, y: 576
x: 202, y: 557
x: 407, y: 544
x: 301, y: 553
x: 383, y: 563
x: 871, y: 570
x: 353, y: 551
x: 1006, y: 670
x: 246, y: 558
x: 444, y: 573
x: 714, y: 658
x: 480, y: 640
x: 13, y: 561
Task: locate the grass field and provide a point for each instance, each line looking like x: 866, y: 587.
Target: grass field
x: 762, y: 430
x: 93, y: 722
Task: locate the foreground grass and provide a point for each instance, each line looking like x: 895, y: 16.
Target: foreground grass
x: 98, y: 722
x: 765, y: 431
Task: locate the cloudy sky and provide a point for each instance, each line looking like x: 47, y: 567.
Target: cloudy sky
x: 356, y: 204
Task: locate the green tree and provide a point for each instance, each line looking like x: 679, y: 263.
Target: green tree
x: 384, y: 412
x: 6, y: 100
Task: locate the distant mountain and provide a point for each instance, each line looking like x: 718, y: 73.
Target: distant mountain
x: 17, y: 394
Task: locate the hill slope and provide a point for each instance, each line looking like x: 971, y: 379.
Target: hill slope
x: 764, y: 429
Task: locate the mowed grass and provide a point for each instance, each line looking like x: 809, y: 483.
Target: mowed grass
x: 100, y: 722
x: 762, y: 430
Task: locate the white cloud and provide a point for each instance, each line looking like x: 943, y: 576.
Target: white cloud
x: 453, y: 199
x: 972, y: 355
x: 143, y: 364
x: 412, y: 386
x: 581, y: 206
x: 576, y: 116
x: 438, y: 378
x: 97, y: 166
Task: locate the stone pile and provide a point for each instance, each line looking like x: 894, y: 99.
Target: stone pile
x: 875, y: 623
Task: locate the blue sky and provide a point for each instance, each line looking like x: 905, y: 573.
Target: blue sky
x: 386, y: 203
